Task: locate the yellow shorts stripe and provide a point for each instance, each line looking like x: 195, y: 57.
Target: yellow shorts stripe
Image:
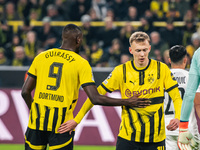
x: 60, y: 146
x: 34, y: 146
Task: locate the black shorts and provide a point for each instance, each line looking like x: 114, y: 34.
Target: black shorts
x: 36, y: 139
x: 123, y: 144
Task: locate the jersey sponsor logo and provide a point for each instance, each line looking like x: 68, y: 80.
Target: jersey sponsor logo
x: 128, y: 93
x: 66, y: 56
x: 49, y: 96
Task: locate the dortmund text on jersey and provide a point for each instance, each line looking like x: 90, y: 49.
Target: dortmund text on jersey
x: 59, y: 74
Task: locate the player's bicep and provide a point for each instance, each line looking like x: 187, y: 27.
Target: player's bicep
x: 29, y: 84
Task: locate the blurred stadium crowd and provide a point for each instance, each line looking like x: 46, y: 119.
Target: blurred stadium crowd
x: 103, y: 46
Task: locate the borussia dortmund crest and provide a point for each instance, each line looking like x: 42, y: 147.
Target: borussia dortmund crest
x: 150, y: 78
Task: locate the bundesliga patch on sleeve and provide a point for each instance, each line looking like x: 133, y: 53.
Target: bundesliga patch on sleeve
x: 173, y: 77
x: 106, y: 80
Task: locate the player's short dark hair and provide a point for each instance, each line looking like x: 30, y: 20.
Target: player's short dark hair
x: 177, y: 53
x: 71, y: 28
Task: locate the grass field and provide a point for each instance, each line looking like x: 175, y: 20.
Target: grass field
x: 76, y: 147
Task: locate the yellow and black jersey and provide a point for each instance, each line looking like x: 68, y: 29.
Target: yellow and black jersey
x: 143, y: 124
x: 59, y: 74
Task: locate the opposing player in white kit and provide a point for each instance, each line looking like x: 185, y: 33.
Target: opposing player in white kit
x: 178, y: 60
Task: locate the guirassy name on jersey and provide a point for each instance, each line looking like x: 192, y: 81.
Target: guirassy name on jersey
x: 63, y: 55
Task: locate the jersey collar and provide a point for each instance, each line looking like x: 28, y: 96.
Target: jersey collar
x: 134, y: 67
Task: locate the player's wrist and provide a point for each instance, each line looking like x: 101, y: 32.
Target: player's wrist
x: 183, y: 125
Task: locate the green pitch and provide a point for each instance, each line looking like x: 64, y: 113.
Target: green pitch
x: 76, y: 147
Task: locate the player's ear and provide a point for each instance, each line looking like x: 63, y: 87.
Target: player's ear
x: 78, y: 40
x: 149, y: 48
x: 185, y: 59
x: 130, y: 50
x: 170, y: 61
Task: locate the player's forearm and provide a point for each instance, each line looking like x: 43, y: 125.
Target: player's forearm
x: 84, y: 109
x: 176, y: 97
x: 87, y: 106
x: 28, y: 99
x: 188, y: 99
x: 108, y: 101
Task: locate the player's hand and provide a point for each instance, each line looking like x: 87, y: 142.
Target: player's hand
x: 173, y: 125
x: 185, y: 139
x: 68, y: 126
x: 138, y: 102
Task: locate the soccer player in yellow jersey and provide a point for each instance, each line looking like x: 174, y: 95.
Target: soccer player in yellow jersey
x: 57, y: 75
x: 140, y: 128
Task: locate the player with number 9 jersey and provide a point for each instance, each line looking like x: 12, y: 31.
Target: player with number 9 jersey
x: 59, y: 77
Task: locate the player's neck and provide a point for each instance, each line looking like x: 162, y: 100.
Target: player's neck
x: 177, y: 66
x: 141, y: 65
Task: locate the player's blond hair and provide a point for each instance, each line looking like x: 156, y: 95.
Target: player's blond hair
x: 139, y: 36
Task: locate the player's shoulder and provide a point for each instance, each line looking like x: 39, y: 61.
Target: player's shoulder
x: 123, y: 66
x: 179, y: 70
x: 156, y: 62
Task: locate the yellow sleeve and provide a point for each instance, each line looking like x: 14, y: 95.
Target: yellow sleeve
x: 32, y: 70
x: 87, y: 106
x: 176, y: 97
x: 85, y: 73
x: 169, y: 81
x: 111, y: 83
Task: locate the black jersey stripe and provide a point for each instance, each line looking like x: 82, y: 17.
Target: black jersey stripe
x: 55, y: 118
x: 157, y: 100
x: 141, y: 77
x: 124, y: 72
x: 158, y: 70
x: 160, y: 114
x: 105, y: 88
x: 171, y: 88
x: 31, y: 116
x: 72, y: 103
x: 142, y: 134
x: 151, y: 120
x: 125, y: 125
x: 32, y: 75
x: 63, y: 114
x: 86, y: 84
x: 131, y: 124
x: 38, y: 116
x: 46, y: 118
x: 74, y: 100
